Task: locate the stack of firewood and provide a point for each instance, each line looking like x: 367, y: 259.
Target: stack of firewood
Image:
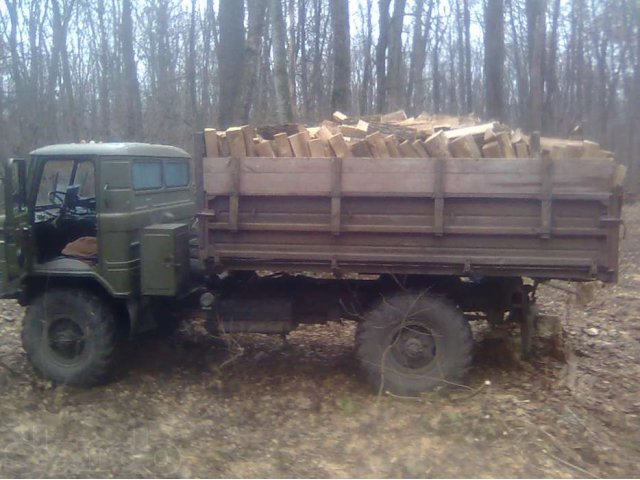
x: 392, y: 136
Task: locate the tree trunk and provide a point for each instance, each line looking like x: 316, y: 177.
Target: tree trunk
x: 230, y: 59
x: 395, y: 75
x: 283, y: 95
x: 130, y: 92
x: 536, y: 29
x: 494, y: 58
x: 341, y: 95
x: 381, y: 55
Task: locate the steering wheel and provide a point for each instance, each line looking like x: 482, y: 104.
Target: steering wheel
x: 57, y: 198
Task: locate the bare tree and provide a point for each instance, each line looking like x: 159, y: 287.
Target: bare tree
x: 341, y: 94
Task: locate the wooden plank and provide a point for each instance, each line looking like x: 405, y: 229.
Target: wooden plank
x: 546, y: 196
x: 317, y: 148
x: 336, y: 198
x: 282, y: 146
x: 407, y: 150
x: 211, y: 142
x: 300, y: 144
x: 437, y: 145
x: 235, y: 137
x: 340, y: 147
x: 464, y: 147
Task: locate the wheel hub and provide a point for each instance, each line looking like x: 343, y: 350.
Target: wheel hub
x: 66, y: 339
x: 414, y: 346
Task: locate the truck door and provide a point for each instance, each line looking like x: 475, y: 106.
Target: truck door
x: 14, y: 230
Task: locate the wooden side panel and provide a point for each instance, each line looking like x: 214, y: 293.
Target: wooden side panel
x: 417, y: 215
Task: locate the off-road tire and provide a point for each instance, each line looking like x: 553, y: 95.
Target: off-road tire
x: 86, y: 318
x: 422, y: 318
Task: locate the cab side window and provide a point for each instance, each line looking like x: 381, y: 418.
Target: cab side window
x: 158, y: 174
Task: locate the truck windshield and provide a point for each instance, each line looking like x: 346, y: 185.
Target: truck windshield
x: 59, y: 175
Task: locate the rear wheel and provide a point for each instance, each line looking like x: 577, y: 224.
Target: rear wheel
x: 71, y: 336
x: 410, y: 344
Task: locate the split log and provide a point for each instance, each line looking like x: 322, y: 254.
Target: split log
x: 504, y: 140
x: 465, y: 147
x: 263, y: 148
x: 361, y: 149
x: 235, y: 137
x: 317, y: 148
x: 393, y: 146
x: 223, y: 144
x: 475, y: 130
x: 325, y: 134
x: 377, y: 145
x: 351, y: 131
x: 340, y: 117
x: 300, y: 144
x: 340, y: 147
x: 393, y: 117
x: 282, y: 146
x: 437, y: 145
x: 420, y: 148
x: 491, y: 150
x: 407, y: 150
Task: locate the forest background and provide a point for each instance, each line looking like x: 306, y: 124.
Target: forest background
x: 159, y: 70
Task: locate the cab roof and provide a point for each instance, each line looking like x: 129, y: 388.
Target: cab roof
x: 111, y: 149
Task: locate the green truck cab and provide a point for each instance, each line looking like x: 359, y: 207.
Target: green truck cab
x: 75, y: 219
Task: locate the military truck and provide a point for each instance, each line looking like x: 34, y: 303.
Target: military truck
x: 103, y: 241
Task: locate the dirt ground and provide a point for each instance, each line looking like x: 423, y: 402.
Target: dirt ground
x: 186, y: 407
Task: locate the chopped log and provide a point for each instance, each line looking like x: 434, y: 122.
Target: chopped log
x: 325, y: 134
x: 592, y: 150
x: 263, y: 148
x: 268, y: 132
x: 223, y: 144
x: 361, y: 149
x: 443, y: 127
x: 300, y: 144
x: 522, y: 150
x: 464, y: 147
x: 340, y: 117
x: 492, y: 150
x: 211, y: 142
x: 340, y: 147
x: 282, y: 146
x: 235, y: 137
x: 407, y: 150
x: 474, y: 130
x: 351, y: 131
x: 313, y: 132
x: 377, y: 145
x: 249, y: 132
x: 363, y: 126
x: 420, y: 148
x: 393, y: 117
x: 437, y: 145
x: 403, y: 133
x: 332, y: 126
x: 317, y: 148
x: 393, y: 146
x: 504, y: 140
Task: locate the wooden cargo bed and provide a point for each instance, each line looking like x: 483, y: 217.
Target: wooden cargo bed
x: 534, y: 217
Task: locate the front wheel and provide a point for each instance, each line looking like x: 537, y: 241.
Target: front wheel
x: 71, y: 336
x: 410, y: 344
